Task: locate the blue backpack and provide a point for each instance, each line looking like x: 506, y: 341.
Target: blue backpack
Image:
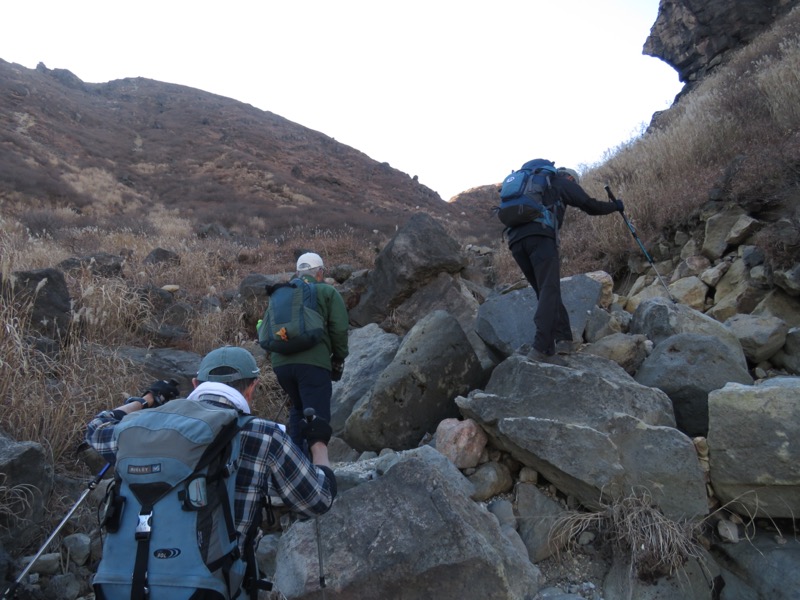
x: 169, y: 520
x: 522, y: 196
x: 291, y: 323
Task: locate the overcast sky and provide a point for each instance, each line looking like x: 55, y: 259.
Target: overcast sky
x: 457, y: 93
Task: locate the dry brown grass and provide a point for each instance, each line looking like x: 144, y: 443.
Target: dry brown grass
x: 14, y: 501
x: 635, y: 527
x: 49, y: 398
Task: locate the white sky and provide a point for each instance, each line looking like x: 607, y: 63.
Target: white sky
x: 457, y: 93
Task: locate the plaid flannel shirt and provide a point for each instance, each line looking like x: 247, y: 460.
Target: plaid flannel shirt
x: 269, y: 465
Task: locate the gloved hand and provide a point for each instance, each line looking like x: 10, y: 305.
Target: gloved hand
x: 163, y: 391
x: 337, y: 368
x: 316, y: 430
x: 620, y: 206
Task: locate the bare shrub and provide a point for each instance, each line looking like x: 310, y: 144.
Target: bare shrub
x: 14, y: 501
x: 635, y: 527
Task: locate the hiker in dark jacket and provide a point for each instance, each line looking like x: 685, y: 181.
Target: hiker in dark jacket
x: 270, y: 464
x: 306, y: 376
x: 534, y: 247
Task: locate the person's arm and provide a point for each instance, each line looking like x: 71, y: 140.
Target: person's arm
x: 100, y: 430
x: 574, y: 195
x: 283, y: 469
x: 319, y: 455
x: 338, y: 325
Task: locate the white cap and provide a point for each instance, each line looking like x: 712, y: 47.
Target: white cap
x: 309, y: 261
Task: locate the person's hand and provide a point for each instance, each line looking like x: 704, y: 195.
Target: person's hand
x: 316, y: 430
x: 337, y: 368
x: 163, y: 391
x: 620, y: 206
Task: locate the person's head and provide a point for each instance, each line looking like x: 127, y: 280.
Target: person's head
x: 310, y: 264
x: 232, y: 366
x: 570, y: 174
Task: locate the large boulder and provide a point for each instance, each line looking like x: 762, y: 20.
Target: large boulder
x: 43, y: 296
x: 444, y: 292
x: 419, y: 252
x: 505, y: 321
x: 687, y: 367
x: 551, y: 418
x: 413, y: 533
x: 434, y: 364
x: 660, y: 318
x: 371, y: 351
x: 754, y: 460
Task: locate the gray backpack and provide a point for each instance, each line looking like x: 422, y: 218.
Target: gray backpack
x: 169, y: 523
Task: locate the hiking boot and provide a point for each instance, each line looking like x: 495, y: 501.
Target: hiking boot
x: 552, y: 359
x: 566, y: 346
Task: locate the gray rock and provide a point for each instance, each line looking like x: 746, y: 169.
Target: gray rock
x: 371, y: 351
x: 418, y: 253
x: 687, y: 367
x: 754, y: 464
x: 372, y: 537
x: 660, y: 318
x: 761, y: 336
x: 434, y: 364
x: 505, y: 321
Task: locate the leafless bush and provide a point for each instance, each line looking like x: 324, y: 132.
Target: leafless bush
x: 635, y: 527
x: 14, y: 501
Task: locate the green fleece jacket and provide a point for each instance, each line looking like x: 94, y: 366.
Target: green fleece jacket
x: 330, y: 305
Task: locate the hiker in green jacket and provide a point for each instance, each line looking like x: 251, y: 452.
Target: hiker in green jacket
x: 306, y: 376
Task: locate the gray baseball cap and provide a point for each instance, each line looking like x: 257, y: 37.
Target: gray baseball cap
x: 236, y: 358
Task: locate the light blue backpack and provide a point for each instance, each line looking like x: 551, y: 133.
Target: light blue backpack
x: 170, y: 532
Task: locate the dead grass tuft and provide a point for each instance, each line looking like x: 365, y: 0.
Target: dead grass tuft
x: 634, y: 526
x: 14, y: 501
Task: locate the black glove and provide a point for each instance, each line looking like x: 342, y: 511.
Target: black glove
x: 337, y: 368
x: 620, y: 206
x: 163, y: 391
x: 316, y: 430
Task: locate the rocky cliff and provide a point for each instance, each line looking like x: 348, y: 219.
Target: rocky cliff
x: 696, y: 36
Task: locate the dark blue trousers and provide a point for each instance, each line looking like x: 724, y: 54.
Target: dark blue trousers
x: 537, y: 257
x: 307, y: 386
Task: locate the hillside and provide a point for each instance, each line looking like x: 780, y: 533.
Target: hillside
x: 114, y: 151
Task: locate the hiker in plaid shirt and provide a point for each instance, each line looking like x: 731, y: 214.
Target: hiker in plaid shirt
x: 271, y: 465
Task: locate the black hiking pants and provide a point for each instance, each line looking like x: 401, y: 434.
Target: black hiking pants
x: 537, y: 257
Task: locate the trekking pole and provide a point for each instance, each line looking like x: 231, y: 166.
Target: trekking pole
x: 9, y: 593
x: 638, y: 241
x: 309, y: 415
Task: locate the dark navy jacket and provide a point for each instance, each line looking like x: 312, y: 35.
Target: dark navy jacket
x: 570, y: 194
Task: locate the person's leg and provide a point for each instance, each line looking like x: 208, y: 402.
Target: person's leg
x: 287, y: 379
x: 521, y: 252
x: 562, y: 330
x: 315, y: 389
x: 548, y: 315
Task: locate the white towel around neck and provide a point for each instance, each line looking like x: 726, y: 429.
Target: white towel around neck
x: 213, y: 388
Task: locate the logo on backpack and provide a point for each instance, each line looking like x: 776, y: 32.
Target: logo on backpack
x: 182, y: 511
x: 291, y: 323
x: 522, y: 196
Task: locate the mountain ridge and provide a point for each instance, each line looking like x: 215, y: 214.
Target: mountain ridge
x: 131, y: 144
